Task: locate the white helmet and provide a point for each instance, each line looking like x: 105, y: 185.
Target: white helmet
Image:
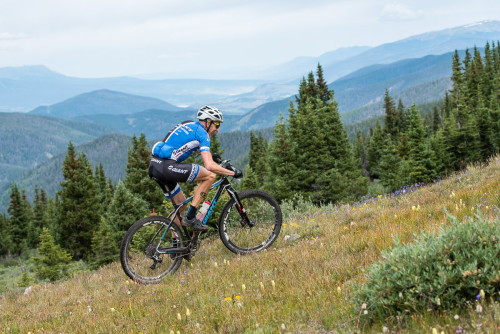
x: 211, y: 113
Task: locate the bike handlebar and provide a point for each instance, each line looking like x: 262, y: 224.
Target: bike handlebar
x: 224, y: 163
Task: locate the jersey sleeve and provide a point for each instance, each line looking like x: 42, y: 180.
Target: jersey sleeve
x: 204, y: 140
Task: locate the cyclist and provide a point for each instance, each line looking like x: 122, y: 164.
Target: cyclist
x: 179, y: 143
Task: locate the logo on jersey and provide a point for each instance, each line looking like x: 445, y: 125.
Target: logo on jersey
x: 177, y: 170
x: 156, y: 160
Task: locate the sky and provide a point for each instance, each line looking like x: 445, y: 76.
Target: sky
x: 210, y: 38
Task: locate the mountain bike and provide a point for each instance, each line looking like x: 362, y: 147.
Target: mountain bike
x: 155, y: 246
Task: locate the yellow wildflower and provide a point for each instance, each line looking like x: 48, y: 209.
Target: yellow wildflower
x: 228, y: 299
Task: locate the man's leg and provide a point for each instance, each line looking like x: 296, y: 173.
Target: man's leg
x: 206, y: 178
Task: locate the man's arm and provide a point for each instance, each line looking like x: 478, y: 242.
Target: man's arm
x: 212, y: 166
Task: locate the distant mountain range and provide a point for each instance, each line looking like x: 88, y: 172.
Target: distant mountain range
x: 26, y: 88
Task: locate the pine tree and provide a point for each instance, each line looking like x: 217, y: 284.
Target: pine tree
x: 137, y: 177
x: 25, y: 280
x: 391, y: 116
x: 4, y: 241
x: 40, y: 219
x: 281, y: 163
x: 375, y: 148
x: 360, y: 152
x: 103, y: 188
x: 251, y: 180
x: 18, y: 223
x: 124, y: 210
x: 79, y: 207
x: 391, y: 166
x: 420, y: 162
x: 52, y: 264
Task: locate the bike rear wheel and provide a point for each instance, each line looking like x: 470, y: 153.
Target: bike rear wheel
x: 144, y: 252
x: 264, y: 213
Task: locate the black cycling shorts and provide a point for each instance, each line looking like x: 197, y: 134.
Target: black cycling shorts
x: 170, y: 172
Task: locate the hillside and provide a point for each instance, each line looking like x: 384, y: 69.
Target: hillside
x: 220, y: 292
x: 103, y: 101
x: 110, y: 150
x: 28, y: 140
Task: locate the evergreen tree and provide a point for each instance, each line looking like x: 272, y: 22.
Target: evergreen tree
x: 124, y: 210
x: 281, y: 163
x: 251, y: 180
x: 137, y: 177
x: 318, y: 162
x: 360, y: 152
x: 420, y: 162
x: 391, y: 116
x: 18, y: 223
x: 375, y: 148
x: 25, y: 280
x: 436, y: 120
x: 53, y: 262
x: 40, y: 219
x: 391, y: 166
x: 103, y: 189
x: 79, y: 207
x: 403, y: 117
x: 4, y: 241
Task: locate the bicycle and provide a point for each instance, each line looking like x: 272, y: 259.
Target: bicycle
x: 155, y: 246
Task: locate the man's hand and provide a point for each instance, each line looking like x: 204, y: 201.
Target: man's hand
x: 237, y: 173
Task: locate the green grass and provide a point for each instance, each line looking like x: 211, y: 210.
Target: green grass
x: 300, y: 286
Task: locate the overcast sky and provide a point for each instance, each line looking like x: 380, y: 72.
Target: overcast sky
x: 99, y: 38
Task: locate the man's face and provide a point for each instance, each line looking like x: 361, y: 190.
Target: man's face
x: 214, y: 128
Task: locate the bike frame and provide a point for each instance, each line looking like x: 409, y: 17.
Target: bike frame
x: 222, y: 185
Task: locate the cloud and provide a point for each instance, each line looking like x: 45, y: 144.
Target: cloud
x: 398, y: 12
x: 10, y: 36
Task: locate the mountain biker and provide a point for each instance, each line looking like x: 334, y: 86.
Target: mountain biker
x: 179, y: 143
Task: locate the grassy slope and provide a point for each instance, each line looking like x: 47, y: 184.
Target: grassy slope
x: 312, y: 275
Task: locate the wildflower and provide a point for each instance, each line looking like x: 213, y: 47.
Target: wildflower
x: 481, y: 293
x: 479, y: 308
x: 339, y: 290
x: 112, y: 309
x: 237, y: 297
x: 228, y: 299
x: 438, y: 302
x: 172, y: 332
x: 434, y: 331
x: 215, y: 264
x: 261, y: 285
x: 188, y: 313
x: 365, y: 312
x: 283, y: 326
x: 243, y: 287
x: 274, y: 285
x: 456, y: 317
x: 179, y: 317
x: 385, y: 329
x: 363, y: 307
x: 240, y: 305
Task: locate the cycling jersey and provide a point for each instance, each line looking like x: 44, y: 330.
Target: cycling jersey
x: 182, y: 141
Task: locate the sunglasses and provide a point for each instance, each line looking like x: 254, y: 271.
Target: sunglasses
x: 217, y: 124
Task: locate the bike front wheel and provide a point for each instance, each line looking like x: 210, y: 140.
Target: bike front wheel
x: 147, y: 252
x: 265, y: 218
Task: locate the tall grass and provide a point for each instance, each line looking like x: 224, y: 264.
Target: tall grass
x: 298, y: 286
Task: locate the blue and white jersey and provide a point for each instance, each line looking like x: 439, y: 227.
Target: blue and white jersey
x: 182, y: 141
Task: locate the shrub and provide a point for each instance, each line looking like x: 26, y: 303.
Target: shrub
x: 439, y: 272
